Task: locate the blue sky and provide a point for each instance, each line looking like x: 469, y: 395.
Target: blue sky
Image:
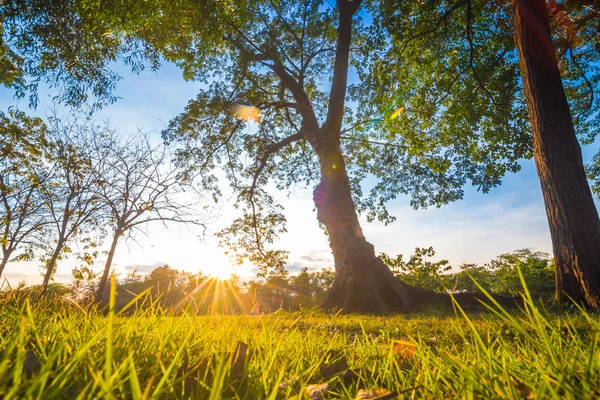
x: 475, y: 229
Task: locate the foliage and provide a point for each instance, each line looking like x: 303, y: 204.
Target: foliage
x: 22, y: 174
x: 529, y: 354
x: 461, y: 55
x: 500, y: 276
x: 71, y: 195
x: 200, y: 294
x: 418, y: 270
x: 278, y: 58
x: 593, y: 173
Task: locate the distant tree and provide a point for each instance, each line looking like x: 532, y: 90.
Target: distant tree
x: 321, y: 282
x: 537, y: 270
x: 72, y: 195
x: 133, y: 277
x: 501, y: 275
x: 140, y: 183
x: 418, y: 270
x: 300, y: 286
x: 83, y: 284
x: 22, y: 173
x: 309, y: 288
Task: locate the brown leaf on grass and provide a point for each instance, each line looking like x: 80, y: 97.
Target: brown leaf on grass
x: 292, y: 383
x: 329, y: 370
x: 525, y: 391
x: 31, y: 363
x: 317, y: 392
x: 349, y: 376
x: 240, y: 360
x: 405, y: 348
x: 375, y: 394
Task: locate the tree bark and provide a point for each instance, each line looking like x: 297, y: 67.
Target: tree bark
x: 50, y: 269
x: 3, y: 265
x: 572, y: 215
x: 111, y: 253
x: 363, y: 283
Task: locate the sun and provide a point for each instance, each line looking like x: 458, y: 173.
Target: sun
x: 221, y: 271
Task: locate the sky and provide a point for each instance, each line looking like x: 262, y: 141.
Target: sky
x: 473, y: 230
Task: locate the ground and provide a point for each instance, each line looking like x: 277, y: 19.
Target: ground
x: 56, y: 351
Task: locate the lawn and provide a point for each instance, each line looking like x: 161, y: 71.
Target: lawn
x: 59, y: 350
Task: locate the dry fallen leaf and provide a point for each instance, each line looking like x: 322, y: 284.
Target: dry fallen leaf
x: 317, y: 392
x: 375, y: 394
x: 240, y: 360
x: 293, y: 383
x: 329, y: 370
x: 405, y: 348
x: 31, y: 363
x: 525, y: 391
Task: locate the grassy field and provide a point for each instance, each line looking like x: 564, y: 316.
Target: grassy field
x: 60, y: 351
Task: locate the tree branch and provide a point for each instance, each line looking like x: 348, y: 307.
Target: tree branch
x: 278, y: 105
x: 436, y: 26
x: 373, y: 142
x: 471, y: 53
x: 265, y: 158
x: 585, y: 79
x: 335, y: 111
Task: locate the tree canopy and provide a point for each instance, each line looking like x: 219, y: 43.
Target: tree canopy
x: 375, y: 98
x: 447, y: 130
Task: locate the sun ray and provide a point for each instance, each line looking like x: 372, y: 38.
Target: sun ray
x: 237, y: 298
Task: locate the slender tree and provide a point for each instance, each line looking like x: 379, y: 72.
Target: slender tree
x: 22, y: 174
x: 140, y: 183
x: 72, y: 197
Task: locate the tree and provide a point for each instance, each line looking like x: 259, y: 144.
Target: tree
x: 22, y: 173
x: 72, y: 196
x: 419, y: 271
x: 282, y: 54
x: 291, y: 62
x: 572, y: 214
x: 536, y: 268
x: 471, y: 48
x: 139, y: 183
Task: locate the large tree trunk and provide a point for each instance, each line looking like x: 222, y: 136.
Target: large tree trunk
x: 362, y: 282
x: 102, y: 289
x: 572, y: 215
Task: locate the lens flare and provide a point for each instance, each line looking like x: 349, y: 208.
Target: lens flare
x: 247, y: 113
x: 397, y: 112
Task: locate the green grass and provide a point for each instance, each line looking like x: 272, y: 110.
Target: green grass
x: 57, y: 350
